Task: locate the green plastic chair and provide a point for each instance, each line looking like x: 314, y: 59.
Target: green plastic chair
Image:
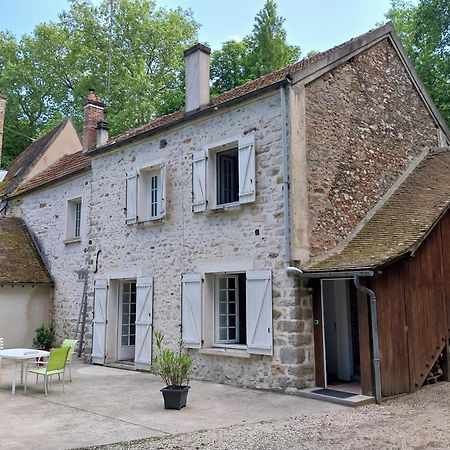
x: 71, y: 343
x: 55, y: 365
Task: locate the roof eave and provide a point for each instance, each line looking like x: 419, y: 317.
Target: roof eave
x: 186, y: 118
x: 18, y: 283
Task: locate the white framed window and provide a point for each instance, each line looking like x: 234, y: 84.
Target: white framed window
x: 145, y: 194
x: 224, y: 174
x: 73, y: 223
x: 228, y: 310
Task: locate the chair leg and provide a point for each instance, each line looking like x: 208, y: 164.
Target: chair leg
x: 63, y: 381
x: 70, y: 371
x: 26, y: 379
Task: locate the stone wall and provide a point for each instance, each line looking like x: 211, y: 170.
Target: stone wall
x: 44, y: 212
x: 186, y: 242
x: 365, y: 122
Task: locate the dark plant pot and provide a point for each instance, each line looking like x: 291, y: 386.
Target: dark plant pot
x: 175, y: 398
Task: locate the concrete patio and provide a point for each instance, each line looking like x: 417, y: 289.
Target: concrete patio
x: 104, y: 405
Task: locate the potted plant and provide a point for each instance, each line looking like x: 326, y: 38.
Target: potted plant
x: 45, y: 337
x: 173, y: 366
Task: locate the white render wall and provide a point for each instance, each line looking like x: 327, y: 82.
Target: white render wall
x: 187, y: 242
x: 44, y: 211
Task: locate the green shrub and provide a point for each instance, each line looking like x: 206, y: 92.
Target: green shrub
x: 172, y: 366
x: 45, y: 337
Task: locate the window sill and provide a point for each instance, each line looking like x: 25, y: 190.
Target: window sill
x: 232, y: 352
x: 230, y: 208
x: 72, y: 241
x: 150, y: 222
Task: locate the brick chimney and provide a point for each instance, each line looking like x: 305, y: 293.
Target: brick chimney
x: 2, y: 119
x: 196, y: 61
x: 94, y: 112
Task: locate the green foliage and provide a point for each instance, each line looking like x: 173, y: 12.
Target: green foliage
x: 172, y: 366
x: 262, y: 52
x: 45, y: 337
x: 424, y: 29
x: 46, y: 75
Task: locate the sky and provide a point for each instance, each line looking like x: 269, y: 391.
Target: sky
x: 313, y: 25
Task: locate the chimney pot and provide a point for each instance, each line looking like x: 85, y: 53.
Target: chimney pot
x: 196, y: 60
x: 102, y: 133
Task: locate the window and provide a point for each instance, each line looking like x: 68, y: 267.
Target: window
x: 145, y: 193
x: 224, y: 174
x: 73, y: 219
x: 227, y: 176
x: 228, y: 310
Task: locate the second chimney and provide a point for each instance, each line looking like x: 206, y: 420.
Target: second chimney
x: 94, y: 112
x: 196, y: 61
x: 2, y: 120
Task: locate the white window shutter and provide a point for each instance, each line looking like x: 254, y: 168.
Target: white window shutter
x: 99, y: 329
x: 144, y: 329
x: 162, y: 195
x: 247, y: 170
x: 191, y: 310
x: 259, y: 312
x: 198, y: 181
x: 131, y: 203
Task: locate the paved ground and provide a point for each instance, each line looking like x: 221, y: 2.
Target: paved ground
x: 104, y: 405
x: 417, y: 421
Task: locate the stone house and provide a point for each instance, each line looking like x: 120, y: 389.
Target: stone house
x: 197, y: 223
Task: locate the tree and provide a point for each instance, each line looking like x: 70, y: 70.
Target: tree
x: 130, y: 51
x: 424, y: 30
x: 259, y: 53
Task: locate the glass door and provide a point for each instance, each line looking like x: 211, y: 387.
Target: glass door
x: 126, y: 321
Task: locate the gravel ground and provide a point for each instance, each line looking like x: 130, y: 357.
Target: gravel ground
x: 419, y: 421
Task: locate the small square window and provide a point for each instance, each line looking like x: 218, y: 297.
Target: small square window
x: 73, y: 219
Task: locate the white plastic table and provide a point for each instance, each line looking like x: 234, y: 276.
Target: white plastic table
x: 20, y: 355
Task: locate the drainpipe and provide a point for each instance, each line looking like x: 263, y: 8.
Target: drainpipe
x: 287, y: 240
x: 374, y: 327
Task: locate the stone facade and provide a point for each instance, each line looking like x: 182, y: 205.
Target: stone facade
x: 365, y: 122
x: 186, y: 242
x: 44, y: 211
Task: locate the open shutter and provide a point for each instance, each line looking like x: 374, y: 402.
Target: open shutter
x: 191, y: 310
x: 144, y: 331
x: 259, y: 312
x: 131, y: 205
x: 99, y: 331
x: 162, y: 197
x: 198, y: 181
x: 247, y: 192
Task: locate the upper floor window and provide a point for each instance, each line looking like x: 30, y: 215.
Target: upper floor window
x: 146, y: 194
x: 73, y: 225
x: 224, y: 174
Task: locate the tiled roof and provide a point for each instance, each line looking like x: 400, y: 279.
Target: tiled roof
x: 401, y: 223
x: 20, y: 261
x: 241, y: 91
x: 66, y: 166
x: 21, y: 166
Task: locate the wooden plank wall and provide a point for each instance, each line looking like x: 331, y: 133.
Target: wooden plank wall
x: 413, y: 312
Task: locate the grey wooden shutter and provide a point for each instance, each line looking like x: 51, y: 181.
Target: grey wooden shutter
x: 99, y: 323
x: 191, y: 310
x: 131, y: 201
x: 198, y: 181
x: 246, y: 152
x: 144, y: 331
x: 259, y: 312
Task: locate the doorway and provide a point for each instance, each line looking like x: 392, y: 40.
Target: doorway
x: 340, y: 334
x: 126, y: 324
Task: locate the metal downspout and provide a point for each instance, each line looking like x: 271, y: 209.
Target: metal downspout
x: 375, y: 344
x: 287, y: 237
